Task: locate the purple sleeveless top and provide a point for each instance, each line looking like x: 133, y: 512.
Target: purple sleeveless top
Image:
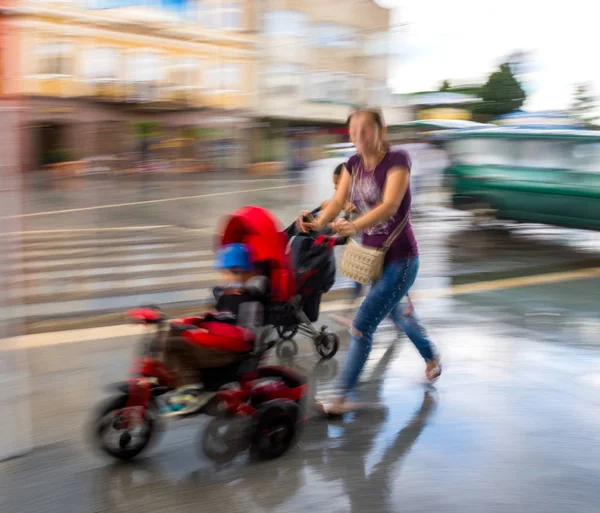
x: 366, y: 192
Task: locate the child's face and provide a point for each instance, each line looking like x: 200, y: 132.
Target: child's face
x: 336, y: 181
x: 236, y: 275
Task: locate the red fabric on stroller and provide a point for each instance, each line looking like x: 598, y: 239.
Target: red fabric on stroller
x: 259, y: 229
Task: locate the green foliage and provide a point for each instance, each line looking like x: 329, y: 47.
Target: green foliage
x: 501, y: 94
x: 145, y: 129
x: 445, y: 86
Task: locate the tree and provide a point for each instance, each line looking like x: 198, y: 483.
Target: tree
x: 584, y: 104
x: 501, y: 94
x: 445, y: 86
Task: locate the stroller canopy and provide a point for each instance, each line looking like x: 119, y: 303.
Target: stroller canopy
x: 262, y: 232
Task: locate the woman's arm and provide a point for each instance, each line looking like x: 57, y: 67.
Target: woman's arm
x: 331, y: 209
x: 394, y: 190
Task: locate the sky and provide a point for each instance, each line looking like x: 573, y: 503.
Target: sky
x: 465, y: 40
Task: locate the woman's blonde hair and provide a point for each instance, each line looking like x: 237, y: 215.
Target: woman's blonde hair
x: 377, y: 116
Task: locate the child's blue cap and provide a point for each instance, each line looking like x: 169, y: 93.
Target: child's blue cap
x: 234, y: 256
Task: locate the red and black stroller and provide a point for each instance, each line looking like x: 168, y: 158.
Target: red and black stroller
x: 301, y: 268
x: 264, y: 401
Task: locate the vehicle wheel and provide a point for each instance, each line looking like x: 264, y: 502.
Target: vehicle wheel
x: 327, y: 345
x: 225, y: 437
x: 274, y: 429
x: 287, y: 332
x: 115, y: 440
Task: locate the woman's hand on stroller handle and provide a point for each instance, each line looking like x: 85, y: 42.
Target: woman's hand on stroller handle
x: 345, y: 228
x: 307, y: 223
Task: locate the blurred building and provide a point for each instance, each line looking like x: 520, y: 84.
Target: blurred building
x: 441, y: 105
x: 93, y: 73
x: 317, y: 61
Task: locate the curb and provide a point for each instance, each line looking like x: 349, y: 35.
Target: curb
x: 97, y: 319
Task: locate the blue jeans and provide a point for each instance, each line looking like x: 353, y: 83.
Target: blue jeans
x: 384, y: 298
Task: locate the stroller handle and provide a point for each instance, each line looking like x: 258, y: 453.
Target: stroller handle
x: 331, y: 240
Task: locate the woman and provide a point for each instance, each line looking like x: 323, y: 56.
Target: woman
x: 377, y: 182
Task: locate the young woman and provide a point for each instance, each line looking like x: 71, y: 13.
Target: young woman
x: 377, y: 182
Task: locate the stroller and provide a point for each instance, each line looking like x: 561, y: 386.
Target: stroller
x: 252, y: 407
x: 301, y: 268
x: 263, y: 404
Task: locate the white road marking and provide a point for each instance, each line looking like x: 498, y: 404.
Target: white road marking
x: 84, y: 230
x: 122, y: 259
x: 98, y: 272
x: 101, y: 250
x: 148, y: 202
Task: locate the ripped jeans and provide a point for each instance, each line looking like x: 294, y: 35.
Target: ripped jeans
x: 385, y: 298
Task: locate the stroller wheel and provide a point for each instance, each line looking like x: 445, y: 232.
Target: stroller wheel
x: 114, y: 438
x: 287, y: 332
x: 327, y: 345
x: 275, y: 429
x: 286, y: 349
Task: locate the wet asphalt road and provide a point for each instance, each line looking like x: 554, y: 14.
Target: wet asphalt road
x: 512, y: 425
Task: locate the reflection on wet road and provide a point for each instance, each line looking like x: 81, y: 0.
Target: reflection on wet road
x: 512, y: 425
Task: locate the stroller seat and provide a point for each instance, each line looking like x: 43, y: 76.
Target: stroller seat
x: 218, y: 330
x: 215, y: 335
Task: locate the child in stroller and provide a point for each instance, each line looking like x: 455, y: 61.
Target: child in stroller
x: 239, y: 303
x: 289, y: 302
x: 220, y: 350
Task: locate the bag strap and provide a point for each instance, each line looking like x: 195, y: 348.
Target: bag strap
x: 394, y: 235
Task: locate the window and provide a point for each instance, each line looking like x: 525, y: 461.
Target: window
x: 283, y: 80
x: 146, y: 67
x: 55, y: 59
x: 100, y: 64
x: 543, y: 154
x: 587, y: 157
x: 484, y: 152
x: 223, y: 16
x: 333, y: 35
x: 184, y: 74
x: 329, y: 86
x: 225, y: 78
x: 230, y: 16
x: 284, y: 23
x: 355, y: 88
x: 378, y: 93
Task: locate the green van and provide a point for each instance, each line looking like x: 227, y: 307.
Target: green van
x: 537, y: 176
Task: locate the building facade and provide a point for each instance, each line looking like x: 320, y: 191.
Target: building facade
x: 91, y: 72
x: 318, y: 61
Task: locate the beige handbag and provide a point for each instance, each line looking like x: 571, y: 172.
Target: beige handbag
x: 364, y: 264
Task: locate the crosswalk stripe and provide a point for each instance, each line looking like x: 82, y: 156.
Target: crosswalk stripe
x: 27, y: 246
x: 127, y: 284
x: 99, y: 272
x: 114, y: 249
x: 110, y: 259
x: 54, y: 232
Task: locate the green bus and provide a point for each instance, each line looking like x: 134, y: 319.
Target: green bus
x: 536, y: 176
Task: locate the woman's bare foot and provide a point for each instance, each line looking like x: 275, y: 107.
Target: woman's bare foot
x: 433, y: 369
x: 337, y: 407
